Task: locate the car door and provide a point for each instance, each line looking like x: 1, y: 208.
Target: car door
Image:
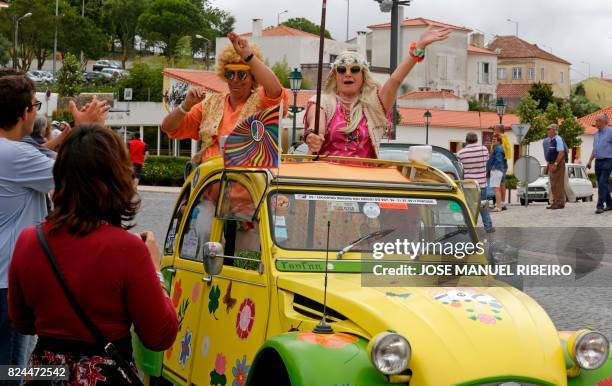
x: 187, y: 287
x: 234, y: 313
x: 584, y: 188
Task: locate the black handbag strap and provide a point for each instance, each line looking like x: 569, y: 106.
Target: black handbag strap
x: 104, y: 343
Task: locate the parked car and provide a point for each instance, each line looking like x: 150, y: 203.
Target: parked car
x: 245, y: 260
x: 578, y: 179
x: 91, y: 76
x: 113, y: 73
x: 39, y: 76
x: 102, y: 64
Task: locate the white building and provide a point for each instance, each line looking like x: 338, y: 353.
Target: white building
x: 291, y: 45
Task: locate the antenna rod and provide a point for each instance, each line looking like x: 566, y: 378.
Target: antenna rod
x: 323, y: 327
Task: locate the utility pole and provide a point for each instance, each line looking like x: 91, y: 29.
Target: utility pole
x: 55, y: 36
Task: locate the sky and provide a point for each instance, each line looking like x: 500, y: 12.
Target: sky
x: 577, y: 31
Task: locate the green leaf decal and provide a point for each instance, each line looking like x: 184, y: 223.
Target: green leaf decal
x: 213, y: 302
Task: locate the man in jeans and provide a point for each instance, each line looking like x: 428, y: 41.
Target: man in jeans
x: 602, y: 152
x: 474, y: 158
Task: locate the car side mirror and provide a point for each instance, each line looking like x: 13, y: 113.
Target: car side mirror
x: 212, y: 256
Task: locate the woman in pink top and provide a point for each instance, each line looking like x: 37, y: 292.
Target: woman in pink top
x: 356, y: 111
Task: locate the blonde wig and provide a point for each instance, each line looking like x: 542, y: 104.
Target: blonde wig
x: 368, y: 92
x: 230, y: 56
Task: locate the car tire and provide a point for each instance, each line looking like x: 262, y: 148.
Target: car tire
x: 589, y: 198
x: 522, y: 201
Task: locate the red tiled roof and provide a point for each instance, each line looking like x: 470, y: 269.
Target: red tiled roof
x: 207, y: 79
x: 477, y: 50
x: 513, y: 47
x: 512, y: 90
x: 419, y: 21
x: 454, y: 119
x: 281, y: 30
x: 428, y: 94
x: 589, y: 120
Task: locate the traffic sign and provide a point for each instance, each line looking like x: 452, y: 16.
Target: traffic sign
x: 127, y: 94
x: 527, y: 169
x: 520, y: 130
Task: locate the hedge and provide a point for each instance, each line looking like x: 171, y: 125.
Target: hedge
x: 163, y: 171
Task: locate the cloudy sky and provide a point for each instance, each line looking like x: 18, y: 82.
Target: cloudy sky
x: 577, y: 31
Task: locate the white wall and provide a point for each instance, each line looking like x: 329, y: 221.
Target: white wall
x: 141, y: 114
x: 49, y: 105
x: 474, y: 87
x: 435, y: 103
x: 295, y: 50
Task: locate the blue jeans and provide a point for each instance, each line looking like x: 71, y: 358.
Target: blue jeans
x: 603, y: 168
x: 484, y: 212
x: 13, y: 345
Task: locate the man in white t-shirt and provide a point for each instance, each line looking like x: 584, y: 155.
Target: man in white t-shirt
x: 474, y: 158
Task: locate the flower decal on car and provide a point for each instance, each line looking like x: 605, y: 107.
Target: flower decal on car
x: 605, y: 382
x: 245, y: 318
x: 240, y: 372
x: 480, y: 307
x: 176, y: 293
x: 185, y: 348
x: 213, y: 300
x: 337, y: 340
x: 217, y: 376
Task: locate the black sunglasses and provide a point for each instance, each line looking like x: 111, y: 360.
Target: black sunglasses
x: 38, y: 105
x: 354, y: 69
x: 230, y: 75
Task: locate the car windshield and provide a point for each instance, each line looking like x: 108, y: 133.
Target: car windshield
x: 299, y: 220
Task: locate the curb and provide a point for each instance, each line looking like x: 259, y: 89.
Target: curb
x: 159, y: 189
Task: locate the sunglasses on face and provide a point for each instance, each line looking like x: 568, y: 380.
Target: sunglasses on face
x: 36, y: 104
x: 353, y: 69
x: 230, y: 74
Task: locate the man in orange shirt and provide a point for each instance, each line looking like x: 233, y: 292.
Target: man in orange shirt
x: 209, y: 117
x: 138, y: 153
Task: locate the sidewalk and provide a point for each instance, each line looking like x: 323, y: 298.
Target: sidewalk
x: 159, y: 189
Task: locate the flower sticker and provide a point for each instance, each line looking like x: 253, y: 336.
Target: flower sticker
x: 213, y: 300
x: 245, y: 318
x: 182, y: 311
x: 217, y: 376
x: 185, y: 348
x: 337, y: 340
x: 240, y: 372
x: 205, y: 346
x: 605, y: 382
x: 176, y: 293
x: 195, y: 293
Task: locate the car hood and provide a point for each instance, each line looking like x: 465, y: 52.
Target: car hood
x: 479, y: 332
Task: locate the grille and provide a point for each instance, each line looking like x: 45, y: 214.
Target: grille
x: 537, y: 189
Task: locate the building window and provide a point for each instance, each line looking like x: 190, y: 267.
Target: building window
x: 517, y: 73
x: 541, y: 75
x: 531, y: 74
x: 484, y: 99
x: 501, y: 73
x: 483, y: 73
x: 561, y: 76
x: 455, y: 146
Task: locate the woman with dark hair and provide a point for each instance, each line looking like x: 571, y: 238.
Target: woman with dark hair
x: 110, y: 271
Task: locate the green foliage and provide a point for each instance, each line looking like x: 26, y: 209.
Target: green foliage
x: 306, y: 25
x: 579, y: 90
x: 475, y: 105
x: 70, y: 78
x: 529, y: 113
x: 282, y: 70
x: 5, y: 54
x: 90, y: 39
x: 569, y: 129
x: 146, y: 83
x: 62, y: 115
x: 167, y: 21
x: 511, y: 181
x: 593, y: 179
x: 123, y: 16
x: 183, y: 48
x: 541, y: 93
x: 580, y: 105
x: 164, y: 171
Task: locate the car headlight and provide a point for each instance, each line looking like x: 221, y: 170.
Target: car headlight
x: 589, y: 349
x: 390, y: 353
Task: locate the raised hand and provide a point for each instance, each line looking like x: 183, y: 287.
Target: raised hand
x: 194, y: 96
x: 93, y: 112
x: 431, y: 35
x: 241, y: 45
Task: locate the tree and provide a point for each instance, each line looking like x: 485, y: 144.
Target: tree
x: 90, y: 39
x: 282, y: 70
x: 124, y: 16
x: 167, y: 21
x: 146, y: 83
x: 5, y: 54
x: 541, y: 93
x: 580, y: 105
x: 529, y: 113
x: 570, y: 130
x: 305, y: 25
x: 69, y: 79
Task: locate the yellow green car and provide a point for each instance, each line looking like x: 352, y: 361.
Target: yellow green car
x: 271, y: 274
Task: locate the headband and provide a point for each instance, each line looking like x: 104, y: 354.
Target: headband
x: 237, y: 67
x: 349, y: 58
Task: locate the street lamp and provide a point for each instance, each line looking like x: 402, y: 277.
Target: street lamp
x: 588, y: 67
x: 15, y: 29
x: 278, y: 16
x: 295, y: 81
x: 515, y: 22
x: 500, y: 106
x: 427, y: 116
x: 393, y: 7
x: 206, y: 43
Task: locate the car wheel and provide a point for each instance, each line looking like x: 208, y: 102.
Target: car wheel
x: 589, y: 198
x: 522, y: 201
